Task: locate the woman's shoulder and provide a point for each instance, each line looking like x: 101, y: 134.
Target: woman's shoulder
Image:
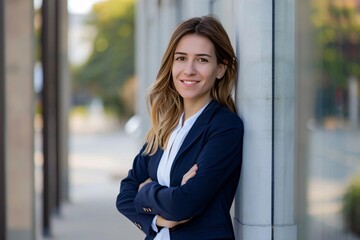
x: 225, y: 118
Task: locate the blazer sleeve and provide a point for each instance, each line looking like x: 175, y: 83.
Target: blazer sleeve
x: 220, y: 158
x: 128, y: 190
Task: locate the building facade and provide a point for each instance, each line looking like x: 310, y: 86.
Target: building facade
x: 301, y: 117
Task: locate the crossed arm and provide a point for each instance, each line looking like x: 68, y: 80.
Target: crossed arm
x: 215, y: 164
x: 162, y: 222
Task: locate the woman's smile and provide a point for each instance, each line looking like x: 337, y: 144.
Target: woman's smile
x: 189, y: 83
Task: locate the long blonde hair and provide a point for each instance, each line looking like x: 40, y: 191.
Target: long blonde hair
x: 165, y: 103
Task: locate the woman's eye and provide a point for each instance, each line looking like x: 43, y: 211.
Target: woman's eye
x: 203, y: 60
x: 180, y: 58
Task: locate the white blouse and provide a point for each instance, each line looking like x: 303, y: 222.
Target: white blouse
x: 163, y: 172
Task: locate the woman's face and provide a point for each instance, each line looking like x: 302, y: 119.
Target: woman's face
x: 195, y: 69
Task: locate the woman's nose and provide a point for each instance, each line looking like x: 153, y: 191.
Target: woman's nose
x: 190, y: 68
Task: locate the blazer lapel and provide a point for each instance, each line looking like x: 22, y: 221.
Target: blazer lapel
x: 199, y: 126
x: 154, y: 164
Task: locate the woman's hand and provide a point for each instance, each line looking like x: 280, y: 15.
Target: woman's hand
x: 161, y: 222
x: 144, y: 183
x: 191, y: 173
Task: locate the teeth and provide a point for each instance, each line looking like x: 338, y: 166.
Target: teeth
x: 189, y: 82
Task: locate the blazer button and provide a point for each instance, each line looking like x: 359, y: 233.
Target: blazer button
x: 149, y: 210
x: 145, y: 209
x: 138, y: 225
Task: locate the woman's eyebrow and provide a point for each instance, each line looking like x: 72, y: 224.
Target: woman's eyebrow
x: 198, y: 54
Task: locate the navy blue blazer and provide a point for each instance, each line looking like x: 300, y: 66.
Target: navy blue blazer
x: 215, y: 144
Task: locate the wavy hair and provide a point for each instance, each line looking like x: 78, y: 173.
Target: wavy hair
x: 165, y: 103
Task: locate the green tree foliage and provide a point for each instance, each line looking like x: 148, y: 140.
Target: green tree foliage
x: 111, y: 62
x: 337, y: 33
x: 351, y: 206
x: 337, y: 25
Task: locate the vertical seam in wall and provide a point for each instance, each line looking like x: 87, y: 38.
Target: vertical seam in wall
x: 273, y: 122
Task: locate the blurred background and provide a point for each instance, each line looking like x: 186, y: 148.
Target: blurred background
x: 73, y: 80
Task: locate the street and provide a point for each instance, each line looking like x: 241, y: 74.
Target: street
x: 98, y: 161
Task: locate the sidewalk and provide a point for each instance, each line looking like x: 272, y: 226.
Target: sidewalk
x: 97, y: 164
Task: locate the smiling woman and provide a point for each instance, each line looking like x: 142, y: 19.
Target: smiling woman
x: 185, y: 177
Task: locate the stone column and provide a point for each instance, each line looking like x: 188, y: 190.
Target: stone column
x: 19, y: 100
x: 147, y: 59
x: 265, y: 98
x: 56, y: 101
x: 253, y: 211
x: 64, y: 93
x: 154, y: 26
x: 284, y: 224
x: 50, y: 113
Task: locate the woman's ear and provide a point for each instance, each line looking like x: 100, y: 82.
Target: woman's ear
x: 222, y: 70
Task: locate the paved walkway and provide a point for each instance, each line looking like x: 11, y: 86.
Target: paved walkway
x: 97, y: 163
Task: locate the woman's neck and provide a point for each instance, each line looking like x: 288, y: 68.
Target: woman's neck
x: 190, y: 108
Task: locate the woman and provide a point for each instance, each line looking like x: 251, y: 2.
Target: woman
x: 183, y: 181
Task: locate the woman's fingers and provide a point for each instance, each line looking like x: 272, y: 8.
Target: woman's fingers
x: 187, y: 178
x: 191, y: 173
x: 192, y: 170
